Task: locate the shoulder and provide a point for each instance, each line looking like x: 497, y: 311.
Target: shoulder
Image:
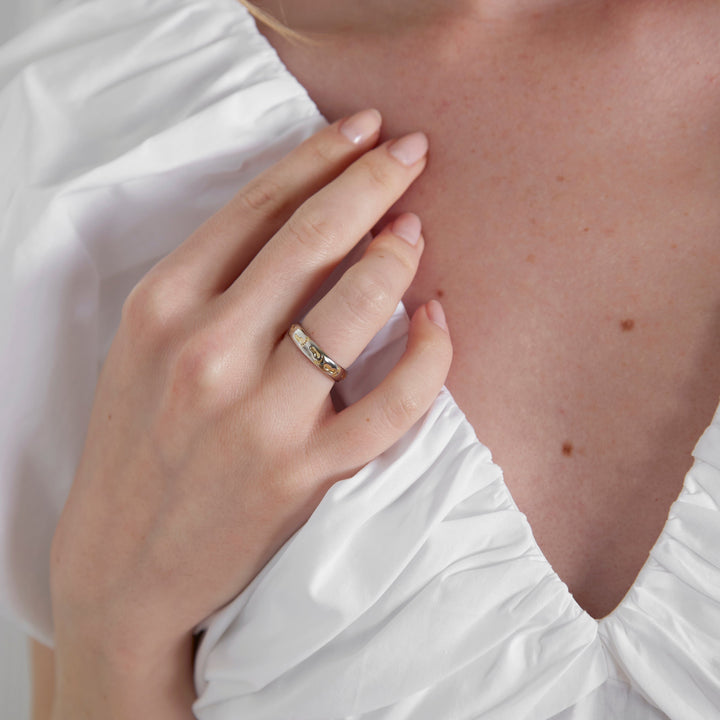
x: 93, y: 79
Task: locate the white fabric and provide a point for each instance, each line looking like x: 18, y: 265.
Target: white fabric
x: 16, y: 15
x: 416, y: 590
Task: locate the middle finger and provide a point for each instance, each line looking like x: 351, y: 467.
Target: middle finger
x: 286, y: 273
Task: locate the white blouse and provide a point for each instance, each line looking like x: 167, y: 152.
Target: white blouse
x: 416, y: 590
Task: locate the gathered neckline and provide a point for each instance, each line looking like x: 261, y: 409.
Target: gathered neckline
x: 579, y: 610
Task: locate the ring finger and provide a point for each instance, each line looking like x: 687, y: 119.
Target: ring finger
x: 344, y: 321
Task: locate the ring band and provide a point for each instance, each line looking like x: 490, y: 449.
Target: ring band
x: 314, y: 354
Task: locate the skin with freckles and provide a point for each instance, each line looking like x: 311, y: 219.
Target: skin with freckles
x: 570, y: 227
x: 571, y: 222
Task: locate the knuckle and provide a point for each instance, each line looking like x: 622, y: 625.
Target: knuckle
x: 323, y: 151
x: 368, y: 294
x: 402, y: 409
x: 151, y: 306
x: 390, y: 248
x: 198, y: 372
x: 260, y: 195
x: 380, y: 172
x: 312, y: 232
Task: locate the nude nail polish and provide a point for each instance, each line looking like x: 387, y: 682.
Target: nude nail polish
x: 362, y: 126
x: 410, y: 148
x: 408, y: 227
x: 437, y: 314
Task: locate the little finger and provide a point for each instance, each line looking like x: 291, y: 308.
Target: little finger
x: 368, y: 427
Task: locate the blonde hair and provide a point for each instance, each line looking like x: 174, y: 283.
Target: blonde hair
x: 272, y: 22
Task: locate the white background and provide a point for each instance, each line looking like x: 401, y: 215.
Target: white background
x: 14, y: 674
x: 15, y: 15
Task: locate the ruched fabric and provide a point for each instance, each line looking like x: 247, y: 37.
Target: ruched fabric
x: 416, y: 590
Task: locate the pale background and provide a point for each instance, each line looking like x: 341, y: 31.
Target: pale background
x: 15, y: 15
x: 14, y: 675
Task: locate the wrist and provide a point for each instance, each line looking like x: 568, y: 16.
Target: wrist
x: 94, y: 683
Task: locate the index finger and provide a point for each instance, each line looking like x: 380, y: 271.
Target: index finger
x: 222, y: 247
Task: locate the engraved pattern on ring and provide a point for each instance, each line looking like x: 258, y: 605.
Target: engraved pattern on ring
x: 313, y: 353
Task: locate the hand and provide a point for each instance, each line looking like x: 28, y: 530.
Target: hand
x: 212, y: 439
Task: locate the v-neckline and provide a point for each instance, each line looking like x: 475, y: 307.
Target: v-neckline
x: 578, y: 609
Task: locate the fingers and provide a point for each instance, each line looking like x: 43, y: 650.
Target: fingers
x: 280, y: 281
x: 215, y: 254
x: 344, y: 321
x: 370, y: 426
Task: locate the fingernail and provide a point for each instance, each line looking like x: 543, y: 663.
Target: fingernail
x: 410, y: 148
x: 361, y: 126
x: 408, y: 227
x: 436, y: 314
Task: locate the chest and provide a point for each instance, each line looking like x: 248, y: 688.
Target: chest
x: 572, y: 234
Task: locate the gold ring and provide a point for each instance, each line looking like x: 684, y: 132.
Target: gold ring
x: 314, y: 354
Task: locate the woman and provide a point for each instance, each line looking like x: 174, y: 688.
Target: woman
x: 569, y: 226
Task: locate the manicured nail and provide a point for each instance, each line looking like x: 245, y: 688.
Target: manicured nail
x: 408, y: 227
x: 410, y: 148
x: 436, y: 314
x: 362, y: 126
